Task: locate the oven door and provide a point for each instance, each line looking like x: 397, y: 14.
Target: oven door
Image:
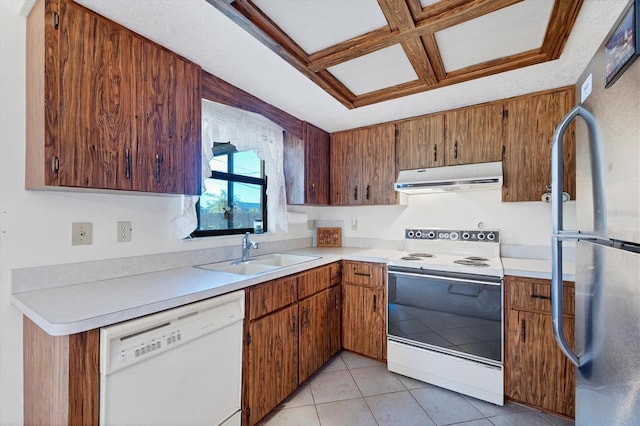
x: 456, y: 314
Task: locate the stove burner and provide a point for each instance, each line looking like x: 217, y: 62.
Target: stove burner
x: 468, y: 262
x: 477, y: 258
x: 421, y: 255
x: 411, y: 258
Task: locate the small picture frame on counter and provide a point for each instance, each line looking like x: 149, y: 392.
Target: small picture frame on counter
x: 623, y: 46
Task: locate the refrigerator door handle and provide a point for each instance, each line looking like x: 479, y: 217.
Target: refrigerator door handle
x: 558, y: 233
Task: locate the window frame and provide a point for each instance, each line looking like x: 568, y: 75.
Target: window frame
x: 232, y: 178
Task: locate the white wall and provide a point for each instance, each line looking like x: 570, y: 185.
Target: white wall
x: 521, y: 223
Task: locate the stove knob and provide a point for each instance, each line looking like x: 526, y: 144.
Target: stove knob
x: 465, y: 235
x: 409, y: 234
x: 491, y: 236
x: 453, y: 236
x: 480, y: 236
x: 418, y: 234
x: 431, y: 235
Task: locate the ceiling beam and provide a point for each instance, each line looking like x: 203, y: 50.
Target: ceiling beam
x: 563, y: 17
x: 399, y: 17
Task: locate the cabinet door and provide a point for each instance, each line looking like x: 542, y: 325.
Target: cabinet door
x: 345, y: 168
x: 377, y: 154
x: 316, y: 165
x: 536, y: 371
x: 363, y: 320
x: 420, y: 143
x: 272, y: 357
x: 474, y: 134
x: 335, y: 319
x: 314, y: 334
x: 158, y: 163
x: 96, y: 104
x: 529, y: 129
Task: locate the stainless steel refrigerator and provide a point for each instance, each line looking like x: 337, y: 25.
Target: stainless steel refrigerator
x: 607, y: 347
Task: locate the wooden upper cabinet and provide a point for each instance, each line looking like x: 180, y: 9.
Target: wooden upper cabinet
x: 100, y: 119
x: 363, y: 166
x: 529, y: 126
x: 96, y: 100
x: 474, y: 134
x: 306, y: 166
x: 420, y: 143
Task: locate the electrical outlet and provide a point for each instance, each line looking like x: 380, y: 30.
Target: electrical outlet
x: 124, y: 232
x: 81, y: 233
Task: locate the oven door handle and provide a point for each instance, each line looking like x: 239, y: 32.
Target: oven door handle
x: 461, y: 280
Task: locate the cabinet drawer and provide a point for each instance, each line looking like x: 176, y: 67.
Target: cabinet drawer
x: 271, y: 296
x: 363, y: 273
x: 535, y: 294
x: 313, y: 281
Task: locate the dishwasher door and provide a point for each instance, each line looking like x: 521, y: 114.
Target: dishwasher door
x: 178, y: 367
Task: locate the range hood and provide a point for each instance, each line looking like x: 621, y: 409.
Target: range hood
x: 450, y: 178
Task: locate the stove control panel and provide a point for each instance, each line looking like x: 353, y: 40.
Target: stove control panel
x: 481, y: 235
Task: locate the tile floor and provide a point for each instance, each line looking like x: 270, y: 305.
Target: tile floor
x: 354, y: 390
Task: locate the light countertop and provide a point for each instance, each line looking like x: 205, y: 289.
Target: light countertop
x: 76, y: 308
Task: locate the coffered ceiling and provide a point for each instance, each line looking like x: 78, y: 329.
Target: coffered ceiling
x: 202, y: 33
x: 363, y: 52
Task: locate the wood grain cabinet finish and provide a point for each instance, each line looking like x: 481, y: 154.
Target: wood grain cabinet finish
x: 100, y: 120
x: 529, y: 127
x: 363, y: 166
x: 536, y: 372
x: 420, y: 143
x: 364, y: 309
x: 61, y: 377
x: 473, y: 134
x: 290, y: 329
x: 306, y: 166
x: 270, y: 371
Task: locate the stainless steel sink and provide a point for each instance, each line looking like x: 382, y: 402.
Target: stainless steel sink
x: 259, y: 265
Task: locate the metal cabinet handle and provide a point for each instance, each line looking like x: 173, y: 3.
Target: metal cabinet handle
x: 158, y: 168
x: 540, y: 296
x: 455, y: 150
x: 368, y: 191
x: 293, y: 324
x: 127, y: 164
x: 55, y: 164
x: 375, y: 300
x: 435, y: 152
x: 558, y: 233
x: 313, y: 191
x: 523, y: 331
x: 361, y: 274
x: 355, y: 193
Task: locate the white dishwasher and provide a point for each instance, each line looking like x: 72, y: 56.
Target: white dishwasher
x: 178, y: 367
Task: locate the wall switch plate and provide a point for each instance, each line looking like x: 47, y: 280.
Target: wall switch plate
x: 124, y: 232
x: 81, y: 233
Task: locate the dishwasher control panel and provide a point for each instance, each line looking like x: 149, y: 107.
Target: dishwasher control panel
x: 139, y: 339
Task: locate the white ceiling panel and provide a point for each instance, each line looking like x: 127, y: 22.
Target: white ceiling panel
x: 317, y: 24
x: 377, y: 70
x: 508, y: 31
x: 425, y: 3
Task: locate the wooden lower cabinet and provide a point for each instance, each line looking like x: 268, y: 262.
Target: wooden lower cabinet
x: 61, y: 377
x: 314, y: 334
x: 536, y: 371
x: 291, y: 331
x: 364, y: 309
x: 271, y: 368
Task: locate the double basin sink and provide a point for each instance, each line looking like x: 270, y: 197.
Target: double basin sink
x: 259, y: 265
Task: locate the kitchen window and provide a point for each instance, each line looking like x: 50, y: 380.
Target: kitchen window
x: 234, y: 194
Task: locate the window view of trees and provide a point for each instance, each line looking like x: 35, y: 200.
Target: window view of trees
x: 234, y: 194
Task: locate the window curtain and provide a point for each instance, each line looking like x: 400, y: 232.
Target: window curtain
x: 249, y: 132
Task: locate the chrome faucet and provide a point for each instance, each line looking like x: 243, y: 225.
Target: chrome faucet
x: 246, y: 245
